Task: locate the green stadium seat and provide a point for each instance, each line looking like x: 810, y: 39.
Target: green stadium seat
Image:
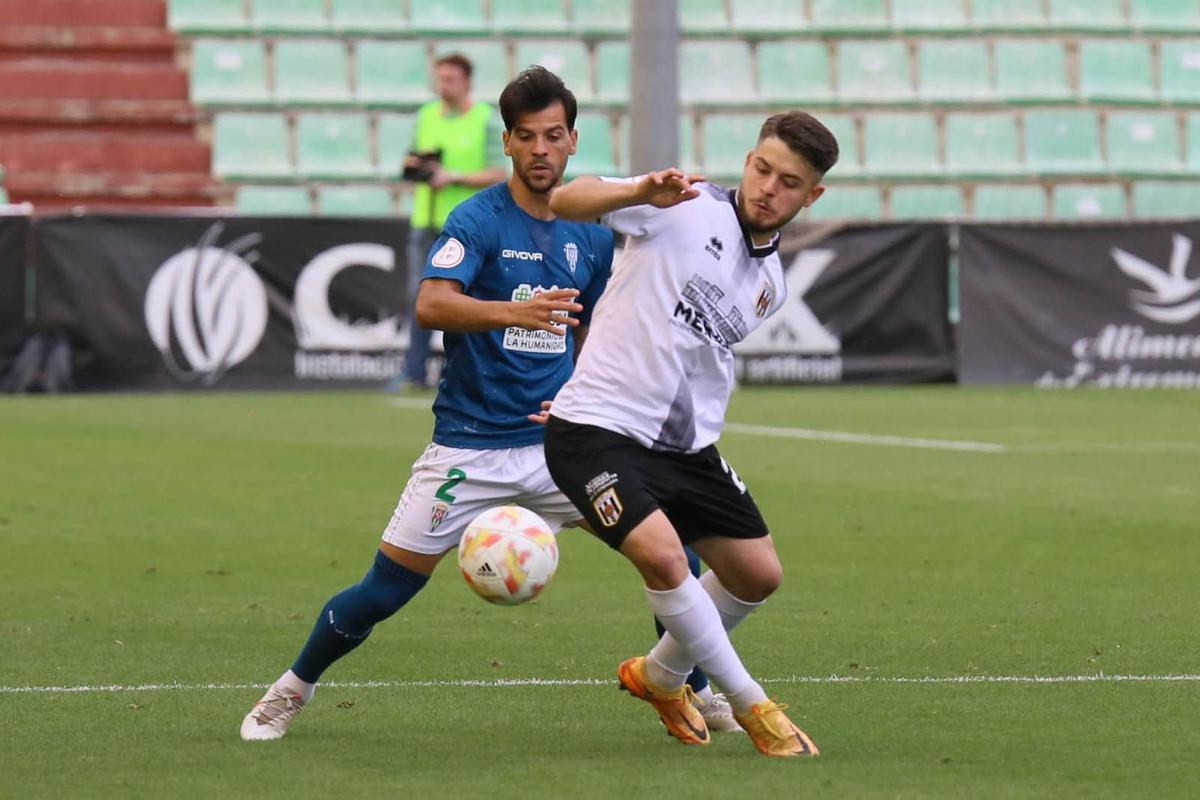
x: 794, y: 72
x: 1004, y: 202
x: 715, y: 72
x: 768, y: 17
x: 600, y: 17
x: 1089, y: 201
x: 354, y: 201
x: 333, y: 146
x: 954, y: 71
x: 1181, y: 71
x: 1143, y: 143
x: 726, y: 139
x: 873, y: 71
x: 1008, y: 15
x: 273, y: 201
x: 595, y: 154
x: 845, y: 131
x: 849, y: 16
x: 927, y: 202
x: 1165, y: 16
x: 847, y: 202
x: 901, y: 144
x: 687, y: 145
x: 982, y: 144
x: 311, y: 72
x: 1063, y: 142
x: 929, y: 15
x: 207, y: 16
x: 1193, y: 142
x: 376, y: 17
x: 567, y: 58
x: 251, y: 146
x: 391, y: 73
x: 489, y: 58
x: 1166, y: 199
x: 1116, y: 71
x: 229, y: 72
x: 1088, y: 15
x: 612, y: 72
x: 700, y: 17
x: 529, y: 17
x: 3, y: 195
x: 395, y: 140
x: 289, y: 16
x: 449, y: 17
x: 1032, y: 71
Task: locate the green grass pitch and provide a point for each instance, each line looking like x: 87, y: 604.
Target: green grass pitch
x: 191, y: 540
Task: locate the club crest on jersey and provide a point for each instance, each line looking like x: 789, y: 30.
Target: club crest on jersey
x: 608, y: 507
x: 449, y: 255
x: 440, y: 510
x: 763, y: 304
x: 571, y: 251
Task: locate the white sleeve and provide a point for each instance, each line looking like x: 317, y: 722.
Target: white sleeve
x: 635, y: 221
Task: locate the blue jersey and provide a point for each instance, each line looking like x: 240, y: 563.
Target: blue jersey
x: 493, y: 380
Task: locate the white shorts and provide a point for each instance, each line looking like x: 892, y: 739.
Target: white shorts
x: 450, y: 486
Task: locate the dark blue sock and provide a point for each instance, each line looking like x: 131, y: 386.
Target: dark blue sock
x: 348, y: 617
x: 697, y: 680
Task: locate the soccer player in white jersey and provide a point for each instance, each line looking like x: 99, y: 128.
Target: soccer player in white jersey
x: 630, y: 437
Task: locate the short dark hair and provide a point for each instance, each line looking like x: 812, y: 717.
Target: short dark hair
x: 456, y: 60
x: 533, y: 90
x: 805, y: 136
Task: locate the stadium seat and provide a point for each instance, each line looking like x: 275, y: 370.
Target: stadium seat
x: 273, y: 201
x: 1165, y: 16
x: 873, y: 71
x: 847, y: 202
x: 289, y: 16
x: 1032, y: 71
x: 1193, y: 142
x: 982, y: 144
x: 1088, y: 15
x: 849, y: 16
x: 929, y: 15
x: 3, y: 195
x: 311, y: 72
x: 229, y: 72
x: 529, y: 17
x: 901, y: 144
x: 953, y: 71
x: 395, y: 140
x: 369, y: 16
x: 448, y: 17
x: 687, y: 145
x: 1089, y: 201
x: 354, y: 201
x: 1004, y: 202
x: 1115, y: 71
x: 600, y: 17
x: 726, y: 139
x: 250, y: 146
x: 1065, y: 142
x: 391, y: 73
x: 595, y: 154
x: 490, y: 60
x: 701, y: 17
x: 1181, y: 71
x: 1143, y: 143
x: 1008, y: 15
x: 1166, y: 199
x: 774, y: 17
x: 207, y: 16
x: 334, y: 146
x: 612, y: 72
x: 715, y: 72
x: 567, y: 58
x: 927, y: 202
x: 794, y: 72
x: 845, y: 131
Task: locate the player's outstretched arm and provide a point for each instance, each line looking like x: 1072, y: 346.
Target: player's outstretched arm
x: 588, y: 197
x: 442, y: 305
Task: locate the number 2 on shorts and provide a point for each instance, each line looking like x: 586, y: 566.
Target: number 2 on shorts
x: 454, y: 478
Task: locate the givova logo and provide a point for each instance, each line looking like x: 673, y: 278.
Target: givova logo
x: 1173, y: 297
x: 206, y: 308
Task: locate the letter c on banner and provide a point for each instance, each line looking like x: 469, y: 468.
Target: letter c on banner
x: 316, y: 326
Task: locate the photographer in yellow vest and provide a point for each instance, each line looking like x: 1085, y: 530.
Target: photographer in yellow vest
x: 457, y: 150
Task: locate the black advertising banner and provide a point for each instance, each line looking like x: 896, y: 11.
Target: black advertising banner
x: 14, y: 230
x: 866, y: 303
x: 156, y: 301
x: 1062, y: 306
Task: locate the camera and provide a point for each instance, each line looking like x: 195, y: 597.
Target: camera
x: 429, y: 161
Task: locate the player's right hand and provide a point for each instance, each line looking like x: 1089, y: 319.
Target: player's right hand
x: 547, y: 311
x: 668, y: 187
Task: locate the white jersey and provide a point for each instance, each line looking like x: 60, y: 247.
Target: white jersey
x: 657, y: 366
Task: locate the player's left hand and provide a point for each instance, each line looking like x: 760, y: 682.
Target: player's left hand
x: 542, y: 416
x: 441, y: 178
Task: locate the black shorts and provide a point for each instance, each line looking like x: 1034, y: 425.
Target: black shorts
x: 617, y: 483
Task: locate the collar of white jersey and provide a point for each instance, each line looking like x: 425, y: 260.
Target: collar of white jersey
x: 755, y: 250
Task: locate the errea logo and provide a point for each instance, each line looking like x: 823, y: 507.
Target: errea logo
x: 521, y: 255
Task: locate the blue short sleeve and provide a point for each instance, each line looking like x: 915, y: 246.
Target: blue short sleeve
x: 590, y: 294
x: 460, y: 251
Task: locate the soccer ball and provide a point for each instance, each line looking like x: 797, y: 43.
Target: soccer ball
x: 508, y: 555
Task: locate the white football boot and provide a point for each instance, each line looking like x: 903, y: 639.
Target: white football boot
x: 718, y: 714
x: 272, y: 716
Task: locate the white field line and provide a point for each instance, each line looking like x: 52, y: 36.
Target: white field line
x: 864, y: 438
x: 502, y: 683
x: 421, y: 403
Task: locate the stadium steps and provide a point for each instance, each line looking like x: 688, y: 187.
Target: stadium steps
x: 82, y: 152
x: 152, y: 45
x: 91, y: 13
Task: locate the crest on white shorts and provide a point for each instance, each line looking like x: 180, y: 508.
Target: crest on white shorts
x: 440, y: 510
x: 608, y: 507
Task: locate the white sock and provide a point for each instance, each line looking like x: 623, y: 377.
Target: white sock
x: 290, y: 680
x: 732, y: 609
